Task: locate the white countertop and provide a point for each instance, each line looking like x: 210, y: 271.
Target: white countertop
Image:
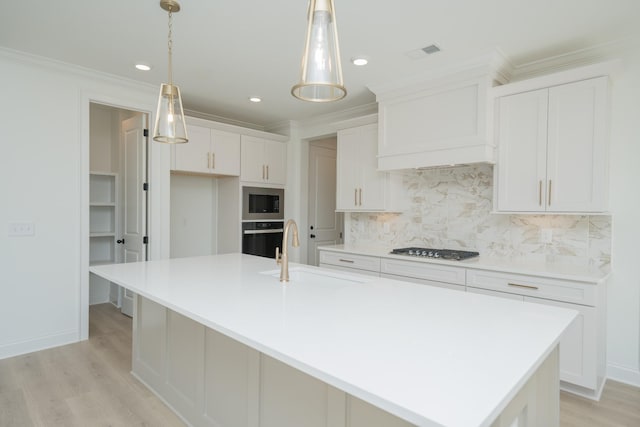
x: 557, y: 270
x: 431, y: 356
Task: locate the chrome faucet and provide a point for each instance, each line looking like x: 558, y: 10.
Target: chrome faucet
x: 282, y: 259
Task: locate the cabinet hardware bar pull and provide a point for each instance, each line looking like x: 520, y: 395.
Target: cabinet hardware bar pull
x: 262, y: 171
x: 549, y: 193
x: 540, y: 194
x: 213, y: 160
x: 355, y: 197
x: 523, y: 286
x: 350, y: 261
x: 267, y: 172
x: 360, y: 196
x: 208, y: 160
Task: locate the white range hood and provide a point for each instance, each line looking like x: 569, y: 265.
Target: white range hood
x: 443, y: 119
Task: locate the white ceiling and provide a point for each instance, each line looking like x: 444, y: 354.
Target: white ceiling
x: 228, y: 50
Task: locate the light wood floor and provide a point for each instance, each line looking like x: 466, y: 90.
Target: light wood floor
x: 89, y: 384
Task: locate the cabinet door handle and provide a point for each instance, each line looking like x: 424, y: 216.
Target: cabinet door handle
x: 540, y: 194
x: 208, y: 160
x: 348, y: 261
x: 355, y: 197
x: 516, y: 285
x: 213, y: 160
x: 360, y: 196
x: 262, y: 171
x: 267, y: 172
x: 549, y: 196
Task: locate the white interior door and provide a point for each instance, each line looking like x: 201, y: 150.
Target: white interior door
x: 325, y: 224
x: 134, y: 176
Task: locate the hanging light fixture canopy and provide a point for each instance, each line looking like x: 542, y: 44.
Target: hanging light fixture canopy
x: 170, y: 126
x: 321, y: 72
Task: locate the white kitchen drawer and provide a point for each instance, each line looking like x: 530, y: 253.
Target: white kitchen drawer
x: 505, y: 295
x: 423, y: 270
x: 533, y: 286
x: 360, y: 262
x: 350, y: 270
x: 424, y: 282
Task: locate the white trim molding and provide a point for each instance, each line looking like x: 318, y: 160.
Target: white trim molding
x: 623, y: 374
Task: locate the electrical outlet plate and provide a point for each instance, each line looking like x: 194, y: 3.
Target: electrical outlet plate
x: 21, y: 229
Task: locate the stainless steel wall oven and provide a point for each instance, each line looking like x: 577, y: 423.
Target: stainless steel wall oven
x: 262, y: 220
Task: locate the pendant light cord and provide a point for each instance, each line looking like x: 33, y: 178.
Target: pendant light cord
x: 170, y: 47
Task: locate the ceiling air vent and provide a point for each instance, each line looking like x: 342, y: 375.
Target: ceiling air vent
x: 423, y: 52
x: 432, y: 48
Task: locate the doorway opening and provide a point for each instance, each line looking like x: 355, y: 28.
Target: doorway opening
x: 326, y: 226
x: 118, y: 200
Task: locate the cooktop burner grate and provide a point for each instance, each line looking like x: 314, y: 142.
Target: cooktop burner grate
x: 447, y: 254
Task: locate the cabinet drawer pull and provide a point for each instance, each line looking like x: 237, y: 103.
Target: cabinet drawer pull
x: 350, y: 261
x: 535, y: 288
x: 540, y: 194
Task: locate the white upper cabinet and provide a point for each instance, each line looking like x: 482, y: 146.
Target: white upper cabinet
x: 361, y: 187
x: 263, y: 161
x: 552, y: 146
x: 209, y: 151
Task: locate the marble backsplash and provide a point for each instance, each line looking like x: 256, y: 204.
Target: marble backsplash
x: 451, y: 208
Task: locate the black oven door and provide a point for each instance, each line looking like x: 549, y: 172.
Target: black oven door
x: 261, y: 237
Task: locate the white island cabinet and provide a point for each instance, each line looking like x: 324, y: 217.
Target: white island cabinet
x: 226, y: 344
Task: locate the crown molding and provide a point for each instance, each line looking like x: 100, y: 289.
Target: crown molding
x: 75, y: 70
x: 493, y: 65
x: 221, y: 119
x: 603, y: 52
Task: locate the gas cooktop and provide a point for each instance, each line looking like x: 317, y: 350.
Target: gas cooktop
x: 447, y: 254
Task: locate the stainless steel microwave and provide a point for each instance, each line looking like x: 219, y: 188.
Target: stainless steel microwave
x: 260, y: 203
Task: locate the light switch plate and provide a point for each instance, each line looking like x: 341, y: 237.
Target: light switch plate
x: 21, y: 229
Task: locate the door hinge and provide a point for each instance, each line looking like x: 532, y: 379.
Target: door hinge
x: 145, y: 240
x: 145, y: 186
x: 146, y: 133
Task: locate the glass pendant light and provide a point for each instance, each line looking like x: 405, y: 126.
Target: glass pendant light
x: 321, y: 76
x: 170, y: 126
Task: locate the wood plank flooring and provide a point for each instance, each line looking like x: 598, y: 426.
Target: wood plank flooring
x: 89, y: 384
x: 83, y: 384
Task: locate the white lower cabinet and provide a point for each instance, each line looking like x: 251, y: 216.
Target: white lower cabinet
x: 212, y: 380
x: 583, y: 345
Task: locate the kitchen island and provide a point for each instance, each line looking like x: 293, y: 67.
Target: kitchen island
x: 224, y: 343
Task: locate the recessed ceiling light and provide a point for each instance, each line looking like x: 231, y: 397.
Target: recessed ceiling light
x: 255, y: 99
x: 143, y: 67
x: 359, y: 61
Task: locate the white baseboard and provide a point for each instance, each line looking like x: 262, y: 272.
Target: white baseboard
x: 36, y: 344
x: 623, y: 374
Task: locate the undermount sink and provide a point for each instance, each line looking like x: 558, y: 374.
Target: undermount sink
x: 317, y: 277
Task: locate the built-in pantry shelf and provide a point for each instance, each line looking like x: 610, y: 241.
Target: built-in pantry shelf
x: 103, y: 209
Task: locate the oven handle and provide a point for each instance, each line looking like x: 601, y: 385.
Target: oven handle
x: 272, y: 231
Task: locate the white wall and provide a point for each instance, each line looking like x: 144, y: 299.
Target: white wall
x: 624, y: 287
x: 45, y: 165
